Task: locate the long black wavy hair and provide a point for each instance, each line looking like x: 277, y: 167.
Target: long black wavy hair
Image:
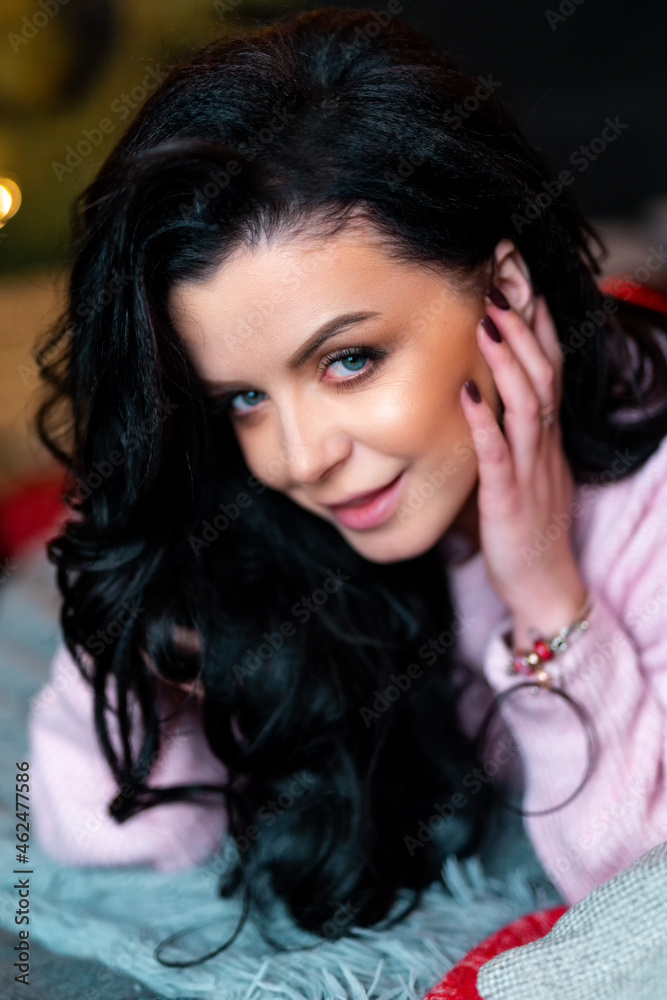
x: 284, y: 130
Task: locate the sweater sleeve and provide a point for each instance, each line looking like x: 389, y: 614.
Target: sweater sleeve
x: 72, y: 784
x: 617, y: 671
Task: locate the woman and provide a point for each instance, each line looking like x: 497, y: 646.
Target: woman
x: 324, y: 664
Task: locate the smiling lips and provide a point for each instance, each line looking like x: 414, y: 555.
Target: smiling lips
x: 362, y: 498
x: 370, y: 509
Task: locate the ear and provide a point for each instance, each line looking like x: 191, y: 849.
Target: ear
x: 511, y: 275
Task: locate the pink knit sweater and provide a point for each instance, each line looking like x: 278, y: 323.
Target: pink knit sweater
x: 617, y: 670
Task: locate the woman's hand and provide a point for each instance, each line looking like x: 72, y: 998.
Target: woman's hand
x: 525, y: 482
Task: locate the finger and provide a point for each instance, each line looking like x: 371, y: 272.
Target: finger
x: 521, y: 419
x: 495, y: 466
x: 542, y: 364
x: 547, y: 336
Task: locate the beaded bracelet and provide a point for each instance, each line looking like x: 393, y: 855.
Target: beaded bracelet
x: 531, y: 663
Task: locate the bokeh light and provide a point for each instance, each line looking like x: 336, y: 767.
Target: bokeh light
x: 10, y: 199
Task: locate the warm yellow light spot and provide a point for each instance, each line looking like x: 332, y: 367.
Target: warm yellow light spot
x: 10, y: 199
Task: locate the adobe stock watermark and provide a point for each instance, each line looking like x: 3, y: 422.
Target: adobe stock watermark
x: 595, y: 320
x: 378, y: 20
x: 587, y: 672
x: 88, y: 309
x: 211, y: 530
x: 121, y: 107
x: 68, y: 674
x: 219, y: 179
x: 266, y: 816
x: 486, y: 86
x: 302, y: 611
x: 444, y: 812
x: 339, y: 919
x: 31, y: 26
x: 383, y: 700
x: 609, y: 823
x: 292, y: 280
x: 103, y: 469
x: 580, y: 158
x: 124, y: 955
x: 129, y: 610
x: 269, y: 813
x: 650, y: 607
x: 95, y: 819
x: 562, y: 521
x: 224, y: 7
x: 454, y: 118
x: 566, y: 8
x: 591, y: 670
x: 464, y: 449
x: 656, y: 259
x: 401, y: 682
x: 435, y: 479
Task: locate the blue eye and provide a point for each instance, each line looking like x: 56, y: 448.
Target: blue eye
x: 358, y: 359
x: 244, y: 395
x: 356, y: 356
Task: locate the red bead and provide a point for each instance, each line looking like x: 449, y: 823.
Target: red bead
x: 543, y: 650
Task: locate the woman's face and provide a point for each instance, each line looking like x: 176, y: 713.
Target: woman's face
x: 323, y: 430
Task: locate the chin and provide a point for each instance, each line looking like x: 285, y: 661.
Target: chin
x: 393, y: 545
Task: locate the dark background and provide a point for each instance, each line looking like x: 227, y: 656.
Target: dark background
x: 563, y: 70
x: 606, y: 58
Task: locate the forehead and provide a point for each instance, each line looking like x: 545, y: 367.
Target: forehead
x: 289, y: 263
x: 265, y: 300
x: 281, y: 269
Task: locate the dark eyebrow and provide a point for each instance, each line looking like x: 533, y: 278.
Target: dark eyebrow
x: 323, y: 333
x: 314, y: 342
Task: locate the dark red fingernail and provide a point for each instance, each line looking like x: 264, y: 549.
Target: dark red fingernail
x: 492, y: 329
x: 498, y: 298
x: 473, y: 391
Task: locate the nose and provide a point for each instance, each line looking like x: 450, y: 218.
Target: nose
x: 312, y: 441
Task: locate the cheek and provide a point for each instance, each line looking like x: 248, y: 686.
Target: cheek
x: 263, y: 459
x: 432, y: 418
x: 436, y: 425
x: 389, y: 421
